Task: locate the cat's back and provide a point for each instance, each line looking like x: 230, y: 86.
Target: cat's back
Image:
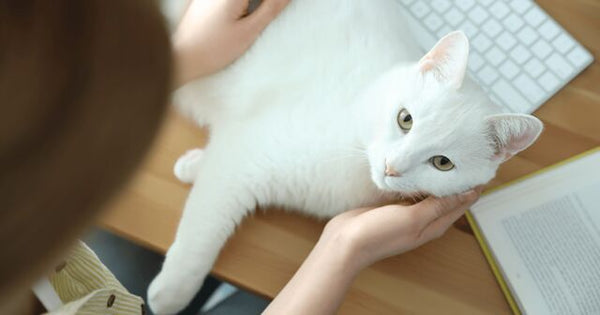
x: 321, y: 51
x: 313, y: 37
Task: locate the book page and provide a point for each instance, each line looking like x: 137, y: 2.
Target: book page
x: 544, y: 233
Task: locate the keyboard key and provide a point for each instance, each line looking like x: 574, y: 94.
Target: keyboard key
x: 506, y: 40
x: 534, y: 67
x: 465, y: 4
x: 541, y: 49
x: 559, y: 65
x: 492, y: 28
x: 481, y: 42
x: 475, y: 61
x: 454, y: 17
x: 444, y: 31
x: 499, y: 9
x: 513, y: 22
x: 487, y: 75
x: 469, y: 29
x: 478, y: 15
x: 563, y: 43
x: 549, y: 29
x: 527, y: 35
x: 440, y: 6
x: 509, y: 69
x: 520, y: 54
x: 433, y: 21
x: 549, y: 82
x: 535, y: 16
x: 520, y: 6
x: 579, y: 57
x: 419, y: 9
x: 529, y: 88
x: 510, y: 97
x: 497, y: 101
x: 495, y: 56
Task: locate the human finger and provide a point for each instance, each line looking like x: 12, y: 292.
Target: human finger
x: 434, y: 208
x: 438, y: 227
x: 258, y: 20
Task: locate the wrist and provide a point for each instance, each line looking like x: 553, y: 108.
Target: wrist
x: 321, y: 283
x: 182, y: 66
x: 341, y: 249
x: 191, y: 62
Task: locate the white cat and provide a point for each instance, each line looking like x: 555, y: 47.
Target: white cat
x: 330, y: 110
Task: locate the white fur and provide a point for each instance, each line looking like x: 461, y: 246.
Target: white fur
x: 307, y: 117
x: 186, y: 167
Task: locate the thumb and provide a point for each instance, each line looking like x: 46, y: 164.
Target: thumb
x: 261, y: 17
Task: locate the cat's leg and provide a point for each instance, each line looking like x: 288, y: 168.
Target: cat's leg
x: 187, y: 166
x: 218, y: 201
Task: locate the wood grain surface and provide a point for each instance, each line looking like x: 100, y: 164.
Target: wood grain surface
x: 449, y: 275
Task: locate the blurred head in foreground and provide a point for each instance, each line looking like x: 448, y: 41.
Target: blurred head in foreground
x: 83, y: 87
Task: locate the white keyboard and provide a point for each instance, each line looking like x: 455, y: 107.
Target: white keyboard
x: 519, y: 54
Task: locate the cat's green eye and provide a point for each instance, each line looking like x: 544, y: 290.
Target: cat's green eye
x: 442, y: 163
x: 405, y: 120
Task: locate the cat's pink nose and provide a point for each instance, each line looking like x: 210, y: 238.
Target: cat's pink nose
x: 390, y: 171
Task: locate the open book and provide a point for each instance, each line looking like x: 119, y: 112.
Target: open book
x: 541, y: 235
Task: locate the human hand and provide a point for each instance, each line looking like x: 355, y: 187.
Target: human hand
x: 355, y: 239
x: 368, y: 235
x: 214, y: 33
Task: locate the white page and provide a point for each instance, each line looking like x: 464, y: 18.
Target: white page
x: 544, y: 233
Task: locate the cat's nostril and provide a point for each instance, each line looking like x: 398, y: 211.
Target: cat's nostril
x: 390, y: 171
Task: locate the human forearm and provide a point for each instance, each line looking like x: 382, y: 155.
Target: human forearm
x: 355, y: 239
x: 186, y: 66
x: 319, y: 286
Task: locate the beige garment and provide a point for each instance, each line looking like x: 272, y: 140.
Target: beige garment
x: 86, y: 286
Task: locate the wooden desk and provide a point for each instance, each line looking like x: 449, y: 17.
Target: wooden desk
x: 448, y: 275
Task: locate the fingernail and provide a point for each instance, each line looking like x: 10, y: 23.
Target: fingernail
x: 468, y: 195
x: 468, y: 192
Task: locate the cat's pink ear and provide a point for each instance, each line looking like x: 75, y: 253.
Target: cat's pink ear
x: 447, y: 60
x: 513, y: 133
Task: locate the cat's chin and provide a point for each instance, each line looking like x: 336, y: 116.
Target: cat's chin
x: 406, y: 191
x: 379, y: 181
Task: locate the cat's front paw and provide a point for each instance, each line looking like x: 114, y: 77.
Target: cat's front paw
x: 186, y: 167
x: 165, y: 295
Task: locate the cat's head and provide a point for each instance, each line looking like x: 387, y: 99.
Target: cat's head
x: 436, y: 132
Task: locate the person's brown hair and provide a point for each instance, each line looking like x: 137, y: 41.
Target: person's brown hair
x: 83, y: 87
